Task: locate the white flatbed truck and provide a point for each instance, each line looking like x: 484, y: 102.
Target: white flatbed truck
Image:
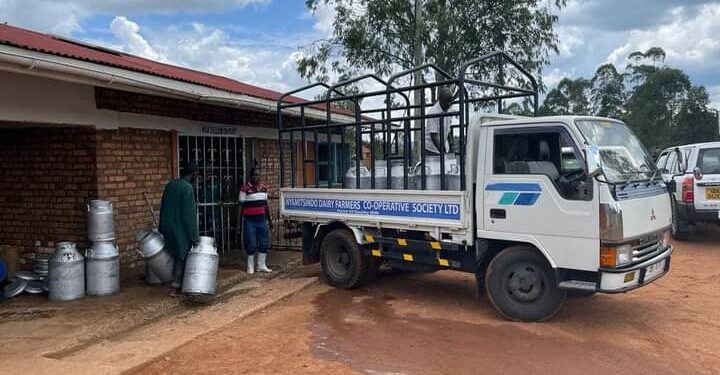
x: 547, y: 206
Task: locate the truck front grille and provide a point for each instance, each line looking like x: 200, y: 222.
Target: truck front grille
x: 646, y: 248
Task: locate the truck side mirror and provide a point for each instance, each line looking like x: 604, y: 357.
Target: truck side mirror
x: 592, y: 160
x: 681, y: 162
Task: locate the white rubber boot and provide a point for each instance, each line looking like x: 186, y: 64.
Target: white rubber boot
x: 251, y: 264
x: 262, y: 266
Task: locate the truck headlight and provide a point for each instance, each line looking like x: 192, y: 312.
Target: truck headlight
x: 611, y: 222
x: 615, y: 256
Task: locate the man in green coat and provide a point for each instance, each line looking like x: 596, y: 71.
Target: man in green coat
x: 178, y: 221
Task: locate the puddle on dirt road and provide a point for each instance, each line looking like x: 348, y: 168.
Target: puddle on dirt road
x: 361, y: 329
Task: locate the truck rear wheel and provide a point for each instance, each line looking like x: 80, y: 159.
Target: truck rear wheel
x: 521, y: 285
x: 344, y: 264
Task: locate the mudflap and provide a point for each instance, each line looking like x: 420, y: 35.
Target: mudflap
x: 310, y: 256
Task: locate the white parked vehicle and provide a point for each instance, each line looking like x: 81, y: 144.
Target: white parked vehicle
x: 694, y: 186
x: 544, y: 205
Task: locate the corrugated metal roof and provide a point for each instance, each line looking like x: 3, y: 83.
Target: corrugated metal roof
x: 31, y: 40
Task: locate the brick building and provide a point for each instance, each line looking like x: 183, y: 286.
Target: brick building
x: 79, y: 122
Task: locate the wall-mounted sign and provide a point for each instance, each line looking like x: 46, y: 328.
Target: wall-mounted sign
x: 219, y: 130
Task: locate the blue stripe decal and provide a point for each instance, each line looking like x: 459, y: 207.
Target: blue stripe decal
x: 513, y: 187
x: 527, y: 199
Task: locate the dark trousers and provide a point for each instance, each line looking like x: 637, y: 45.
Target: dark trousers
x: 257, y: 236
x: 178, y: 273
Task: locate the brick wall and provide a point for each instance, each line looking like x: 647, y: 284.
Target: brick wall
x: 268, y: 156
x: 130, y: 162
x: 48, y: 175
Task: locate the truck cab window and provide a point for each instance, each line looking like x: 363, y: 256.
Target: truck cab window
x: 662, y: 160
x: 548, y: 152
x: 671, y: 166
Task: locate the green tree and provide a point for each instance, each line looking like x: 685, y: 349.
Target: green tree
x: 696, y: 122
x: 384, y: 36
x: 654, y: 105
x: 658, y: 102
x: 523, y: 108
x: 607, y: 92
x: 570, y: 97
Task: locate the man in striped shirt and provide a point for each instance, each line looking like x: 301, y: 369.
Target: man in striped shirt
x: 256, y: 222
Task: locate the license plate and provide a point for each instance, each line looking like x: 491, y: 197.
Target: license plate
x: 654, y: 270
x: 712, y: 193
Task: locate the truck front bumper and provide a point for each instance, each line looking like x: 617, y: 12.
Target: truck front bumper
x: 621, y: 280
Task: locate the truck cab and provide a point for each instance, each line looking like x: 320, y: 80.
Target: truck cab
x: 602, y: 224
x: 534, y: 207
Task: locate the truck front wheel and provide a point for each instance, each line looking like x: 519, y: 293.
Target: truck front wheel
x: 521, y: 285
x: 344, y: 263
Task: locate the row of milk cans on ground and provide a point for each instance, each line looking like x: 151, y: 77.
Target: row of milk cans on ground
x: 72, y: 275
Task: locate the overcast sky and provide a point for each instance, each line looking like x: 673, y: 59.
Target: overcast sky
x: 255, y: 40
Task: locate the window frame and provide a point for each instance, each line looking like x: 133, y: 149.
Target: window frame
x: 559, y: 129
x: 335, y: 152
x: 660, y: 163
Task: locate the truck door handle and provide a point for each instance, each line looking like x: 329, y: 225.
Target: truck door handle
x: 497, y: 213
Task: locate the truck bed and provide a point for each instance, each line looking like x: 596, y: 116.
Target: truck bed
x: 437, y: 212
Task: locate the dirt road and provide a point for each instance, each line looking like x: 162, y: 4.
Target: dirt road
x: 432, y: 324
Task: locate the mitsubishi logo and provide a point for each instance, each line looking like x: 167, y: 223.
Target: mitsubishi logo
x: 652, y: 214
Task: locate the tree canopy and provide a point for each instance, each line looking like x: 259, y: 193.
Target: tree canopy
x: 384, y: 36
x: 658, y: 102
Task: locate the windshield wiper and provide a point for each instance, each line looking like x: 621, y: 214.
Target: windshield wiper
x: 632, y: 173
x: 652, y: 178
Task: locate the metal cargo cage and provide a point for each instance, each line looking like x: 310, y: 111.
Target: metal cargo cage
x: 376, y: 139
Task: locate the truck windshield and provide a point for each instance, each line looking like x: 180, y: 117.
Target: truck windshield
x: 624, y: 158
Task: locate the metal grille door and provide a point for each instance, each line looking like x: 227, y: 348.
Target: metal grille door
x: 220, y: 162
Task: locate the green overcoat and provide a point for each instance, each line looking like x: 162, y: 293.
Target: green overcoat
x: 178, y: 217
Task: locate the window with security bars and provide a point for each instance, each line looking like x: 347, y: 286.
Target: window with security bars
x: 220, y: 163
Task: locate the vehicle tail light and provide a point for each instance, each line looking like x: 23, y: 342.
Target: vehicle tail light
x: 688, y: 196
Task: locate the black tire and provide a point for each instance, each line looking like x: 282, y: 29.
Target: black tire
x: 521, y: 285
x: 679, y: 230
x: 344, y: 263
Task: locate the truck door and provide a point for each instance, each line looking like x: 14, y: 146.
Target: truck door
x: 535, y: 190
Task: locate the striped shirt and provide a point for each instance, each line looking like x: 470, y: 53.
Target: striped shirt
x: 254, y: 200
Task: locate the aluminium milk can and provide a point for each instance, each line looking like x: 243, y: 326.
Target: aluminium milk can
x: 151, y: 246
x: 101, y: 226
x: 102, y: 269
x: 66, y: 276
x: 201, y: 266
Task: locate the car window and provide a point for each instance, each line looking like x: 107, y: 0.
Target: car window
x: 661, y: 163
x: 670, y: 167
x: 709, y: 160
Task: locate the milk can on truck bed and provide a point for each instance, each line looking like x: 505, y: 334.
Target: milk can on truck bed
x: 101, y: 226
x: 433, y: 175
x: 102, y: 269
x: 66, y: 276
x: 201, y: 267
x: 151, y: 246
